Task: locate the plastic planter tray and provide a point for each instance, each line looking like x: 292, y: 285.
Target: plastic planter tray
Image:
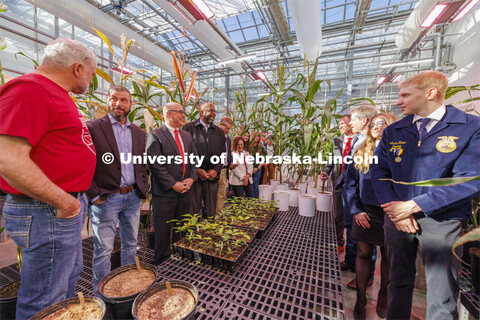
x: 209, y: 259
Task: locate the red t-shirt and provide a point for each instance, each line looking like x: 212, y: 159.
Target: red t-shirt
x: 37, y: 109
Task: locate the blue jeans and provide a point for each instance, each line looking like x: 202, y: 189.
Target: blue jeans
x: 51, y: 252
x: 256, y: 181
x: 122, y: 208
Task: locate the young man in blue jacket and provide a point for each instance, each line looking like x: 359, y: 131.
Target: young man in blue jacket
x: 431, y: 141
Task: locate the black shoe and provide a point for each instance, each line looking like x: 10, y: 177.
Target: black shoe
x: 345, y: 267
x: 352, y: 285
x: 359, y: 313
x: 382, y: 303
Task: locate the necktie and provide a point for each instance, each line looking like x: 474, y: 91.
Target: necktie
x: 348, y: 146
x: 179, y: 145
x: 422, y: 131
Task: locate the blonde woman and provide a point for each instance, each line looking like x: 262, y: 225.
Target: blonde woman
x: 367, y: 227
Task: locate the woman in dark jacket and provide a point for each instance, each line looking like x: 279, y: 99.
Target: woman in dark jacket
x: 368, y: 216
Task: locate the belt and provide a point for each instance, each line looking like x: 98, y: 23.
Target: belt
x: 25, y: 197
x: 124, y: 190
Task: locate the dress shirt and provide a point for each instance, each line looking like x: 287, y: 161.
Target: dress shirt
x: 205, y: 126
x: 270, y: 150
x: 360, y: 138
x: 172, y: 131
x: 123, y: 136
x: 434, y: 117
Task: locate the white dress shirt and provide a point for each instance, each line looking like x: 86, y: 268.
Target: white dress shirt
x: 434, y: 117
x: 172, y: 131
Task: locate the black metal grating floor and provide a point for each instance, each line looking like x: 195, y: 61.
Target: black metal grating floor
x: 292, y: 272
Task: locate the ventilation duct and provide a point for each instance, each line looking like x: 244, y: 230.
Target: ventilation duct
x: 306, y: 15
x: 280, y: 21
x: 76, y: 13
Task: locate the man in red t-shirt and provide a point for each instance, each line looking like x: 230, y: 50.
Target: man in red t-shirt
x: 46, y: 163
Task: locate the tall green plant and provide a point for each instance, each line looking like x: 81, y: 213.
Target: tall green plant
x: 275, y: 117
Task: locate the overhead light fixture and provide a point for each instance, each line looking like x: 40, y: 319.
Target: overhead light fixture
x: 404, y: 63
x: 465, y: 10
x: 237, y: 59
x: 118, y: 69
x: 397, y: 78
x: 204, y: 9
x: 381, y: 80
x: 433, y: 15
x: 197, y: 8
x: 261, y: 75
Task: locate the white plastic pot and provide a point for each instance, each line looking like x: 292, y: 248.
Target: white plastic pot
x: 302, y: 186
x: 265, y: 192
x: 274, y: 184
x: 312, y: 191
x: 282, y: 186
x: 281, y: 198
x: 293, y: 200
x: 324, y: 201
x: 306, y: 205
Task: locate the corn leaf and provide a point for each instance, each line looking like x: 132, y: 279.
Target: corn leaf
x: 190, y: 89
x: 440, y: 182
x: 105, y: 76
x: 473, y: 235
x: 177, y: 70
x: 104, y: 38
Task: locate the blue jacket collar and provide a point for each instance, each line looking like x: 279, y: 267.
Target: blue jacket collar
x: 453, y: 115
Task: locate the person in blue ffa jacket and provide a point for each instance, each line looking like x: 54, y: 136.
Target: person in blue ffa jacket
x: 171, y: 181
x: 432, y: 141
x: 367, y: 227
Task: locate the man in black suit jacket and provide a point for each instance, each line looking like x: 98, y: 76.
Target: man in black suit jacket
x: 334, y: 172
x: 171, y: 182
x: 118, y: 185
x: 210, y: 142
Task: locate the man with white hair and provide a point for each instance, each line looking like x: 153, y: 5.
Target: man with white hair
x: 47, y: 162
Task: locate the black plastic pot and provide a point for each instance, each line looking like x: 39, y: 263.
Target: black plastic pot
x: 121, y: 307
x: 150, y: 239
x: 48, y: 311
x: 8, y: 306
x: 162, y: 286
x: 475, y: 269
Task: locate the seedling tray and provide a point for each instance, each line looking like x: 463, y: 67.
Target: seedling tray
x: 207, y: 258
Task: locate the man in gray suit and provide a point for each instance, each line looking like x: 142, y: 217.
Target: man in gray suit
x: 171, y: 181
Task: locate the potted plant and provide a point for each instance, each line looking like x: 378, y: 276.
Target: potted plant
x: 166, y: 300
x: 91, y: 308
x: 119, y: 288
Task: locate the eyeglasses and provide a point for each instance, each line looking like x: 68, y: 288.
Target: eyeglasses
x: 378, y: 124
x: 180, y: 111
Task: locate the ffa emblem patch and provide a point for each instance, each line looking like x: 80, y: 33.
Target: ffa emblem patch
x: 446, y: 144
x: 397, y: 151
